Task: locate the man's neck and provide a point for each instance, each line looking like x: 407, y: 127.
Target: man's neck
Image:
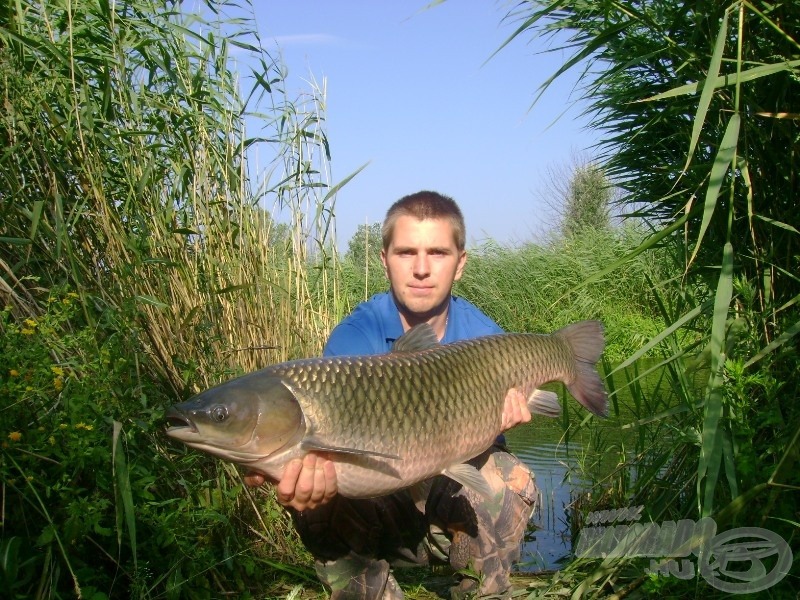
x: 437, y: 321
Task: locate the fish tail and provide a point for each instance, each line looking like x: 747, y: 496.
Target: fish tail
x: 585, y: 340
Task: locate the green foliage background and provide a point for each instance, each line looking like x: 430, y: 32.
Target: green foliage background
x: 697, y: 105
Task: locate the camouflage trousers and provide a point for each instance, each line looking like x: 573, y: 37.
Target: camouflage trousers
x: 356, y: 542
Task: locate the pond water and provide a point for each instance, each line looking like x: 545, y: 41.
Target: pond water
x: 553, y: 461
x: 556, y: 462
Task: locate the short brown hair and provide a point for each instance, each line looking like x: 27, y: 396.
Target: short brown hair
x: 426, y: 205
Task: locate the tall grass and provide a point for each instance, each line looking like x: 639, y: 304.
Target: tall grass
x: 141, y: 261
x: 534, y: 287
x: 698, y: 110
x: 132, y: 178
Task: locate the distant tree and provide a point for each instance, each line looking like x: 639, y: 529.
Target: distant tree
x: 587, y: 202
x: 580, y: 196
x: 362, y: 274
x: 365, y: 245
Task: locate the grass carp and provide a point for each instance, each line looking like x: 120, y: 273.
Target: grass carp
x: 392, y: 420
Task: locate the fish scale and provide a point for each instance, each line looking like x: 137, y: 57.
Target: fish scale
x: 392, y: 420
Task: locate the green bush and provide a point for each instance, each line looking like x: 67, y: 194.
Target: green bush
x: 541, y: 287
x: 95, y: 499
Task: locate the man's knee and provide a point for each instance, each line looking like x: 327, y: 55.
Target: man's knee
x: 355, y: 577
x: 513, y: 475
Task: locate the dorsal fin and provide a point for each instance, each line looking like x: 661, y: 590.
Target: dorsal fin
x: 419, y: 337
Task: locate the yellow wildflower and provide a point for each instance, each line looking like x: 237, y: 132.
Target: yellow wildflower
x: 66, y: 302
x: 30, y: 322
x: 80, y: 425
x: 28, y: 388
x: 58, y: 384
x: 72, y: 295
x: 13, y: 373
x: 26, y: 331
x: 63, y: 426
x: 52, y: 440
x: 88, y: 427
x: 57, y: 371
x: 15, y: 436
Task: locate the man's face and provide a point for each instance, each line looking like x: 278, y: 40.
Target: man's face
x: 422, y: 262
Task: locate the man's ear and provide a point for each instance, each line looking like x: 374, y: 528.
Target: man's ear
x: 462, y: 260
x: 383, y: 262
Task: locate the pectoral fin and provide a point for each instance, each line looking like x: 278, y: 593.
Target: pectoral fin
x: 420, y: 492
x: 314, y: 445
x: 542, y: 402
x: 469, y: 477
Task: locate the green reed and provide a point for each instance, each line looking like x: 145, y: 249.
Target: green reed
x: 176, y: 202
x: 696, y: 109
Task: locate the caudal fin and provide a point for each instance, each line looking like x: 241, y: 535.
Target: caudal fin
x: 586, y: 341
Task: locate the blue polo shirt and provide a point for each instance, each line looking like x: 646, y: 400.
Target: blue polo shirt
x: 374, y: 326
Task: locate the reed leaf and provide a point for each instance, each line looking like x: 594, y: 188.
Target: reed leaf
x: 707, y: 93
x: 733, y: 79
x: 711, y: 450
x: 122, y: 487
x: 722, y: 162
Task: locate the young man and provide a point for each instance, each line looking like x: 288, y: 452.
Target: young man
x: 354, y: 542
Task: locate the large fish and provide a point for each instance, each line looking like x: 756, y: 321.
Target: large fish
x: 392, y: 420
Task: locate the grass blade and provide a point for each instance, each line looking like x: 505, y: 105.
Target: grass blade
x: 122, y: 488
x: 711, y: 445
x: 723, y: 160
x: 708, y: 90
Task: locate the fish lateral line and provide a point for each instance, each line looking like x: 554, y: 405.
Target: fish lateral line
x: 317, y: 446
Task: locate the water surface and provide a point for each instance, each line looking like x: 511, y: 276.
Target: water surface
x: 562, y: 467
x: 553, y: 462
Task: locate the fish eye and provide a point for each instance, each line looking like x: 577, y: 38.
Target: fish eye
x: 219, y: 413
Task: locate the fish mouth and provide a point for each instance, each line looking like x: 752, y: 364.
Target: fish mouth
x: 178, y: 422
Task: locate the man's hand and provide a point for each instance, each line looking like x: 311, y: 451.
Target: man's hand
x: 305, y: 484
x: 515, y: 409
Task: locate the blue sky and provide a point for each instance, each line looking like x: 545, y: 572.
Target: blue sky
x: 408, y: 92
